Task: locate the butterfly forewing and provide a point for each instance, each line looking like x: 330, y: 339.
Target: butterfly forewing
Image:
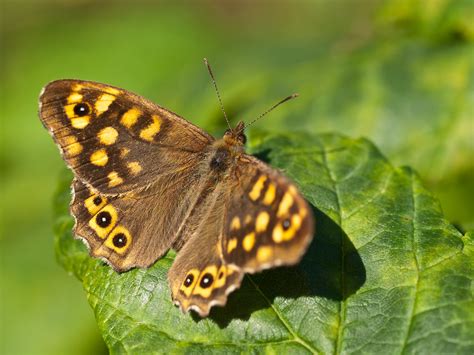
x: 116, y: 141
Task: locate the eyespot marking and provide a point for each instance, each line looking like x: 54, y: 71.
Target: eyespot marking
x: 204, y: 285
x: 108, y: 135
x: 149, y: 132
x: 189, y: 282
x: 254, y: 194
x: 130, y: 117
x: 119, y: 239
x: 78, y: 114
x: 221, y: 277
x: 99, y: 157
x: 114, y: 179
x: 286, y: 230
x: 94, y: 203
x: 206, y: 280
x: 104, y: 221
x: 81, y: 109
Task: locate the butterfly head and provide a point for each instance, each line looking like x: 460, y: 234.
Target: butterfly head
x: 235, y: 136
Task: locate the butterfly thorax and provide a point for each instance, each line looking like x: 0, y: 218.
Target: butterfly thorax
x: 228, y: 149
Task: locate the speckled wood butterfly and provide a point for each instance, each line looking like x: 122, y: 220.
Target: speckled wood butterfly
x: 146, y: 180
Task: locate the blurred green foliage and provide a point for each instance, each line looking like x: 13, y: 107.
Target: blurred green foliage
x: 398, y: 72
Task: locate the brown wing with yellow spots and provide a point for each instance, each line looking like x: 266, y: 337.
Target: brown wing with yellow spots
x: 199, y: 278
x: 268, y: 222
x: 130, y: 230
x: 254, y: 220
x: 116, y: 141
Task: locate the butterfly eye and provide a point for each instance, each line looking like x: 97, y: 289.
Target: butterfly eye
x: 242, y: 138
x: 81, y: 109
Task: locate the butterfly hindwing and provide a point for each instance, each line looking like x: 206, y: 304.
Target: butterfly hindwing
x: 114, y: 140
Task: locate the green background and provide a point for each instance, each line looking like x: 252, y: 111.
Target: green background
x: 397, y: 72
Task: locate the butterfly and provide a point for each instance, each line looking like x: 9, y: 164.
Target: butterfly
x: 146, y: 180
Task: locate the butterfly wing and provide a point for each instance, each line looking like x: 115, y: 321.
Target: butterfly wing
x: 268, y: 221
x: 130, y: 158
x: 116, y: 141
x: 256, y: 219
x: 132, y: 230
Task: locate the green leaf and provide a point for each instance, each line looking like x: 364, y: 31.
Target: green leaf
x: 385, y: 272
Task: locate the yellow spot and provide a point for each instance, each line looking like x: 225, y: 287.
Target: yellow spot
x: 110, y: 239
x: 92, y: 207
x: 235, y: 224
x: 99, y: 157
x: 71, y: 146
x: 130, y: 117
x: 206, y: 292
x: 134, y: 167
x: 75, y: 97
x: 285, y: 204
x: 248, y: 219
x: 114, y: 179
x: 269, y: 195
x: 231, y: 245
x: 103, y: 231
x: 249, y: 241
x: 264, y: 254
x: 194, y: 273
x: 149, y: 133
x: 292, y: 190
x: 124, y: 152
x: 108, y: 135
x: 221, y: 277
x: 303, y: 212
x: 257, y: 188
x: 80, y: 122
x: 112, y: 91
x: 261, y: 223
x: 78, y: 87
x: 103, y: 102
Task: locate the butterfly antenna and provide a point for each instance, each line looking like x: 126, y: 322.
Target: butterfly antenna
x: 217, y: 91
x: 271, y: 109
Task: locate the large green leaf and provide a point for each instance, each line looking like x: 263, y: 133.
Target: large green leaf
x: 385, y: 273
